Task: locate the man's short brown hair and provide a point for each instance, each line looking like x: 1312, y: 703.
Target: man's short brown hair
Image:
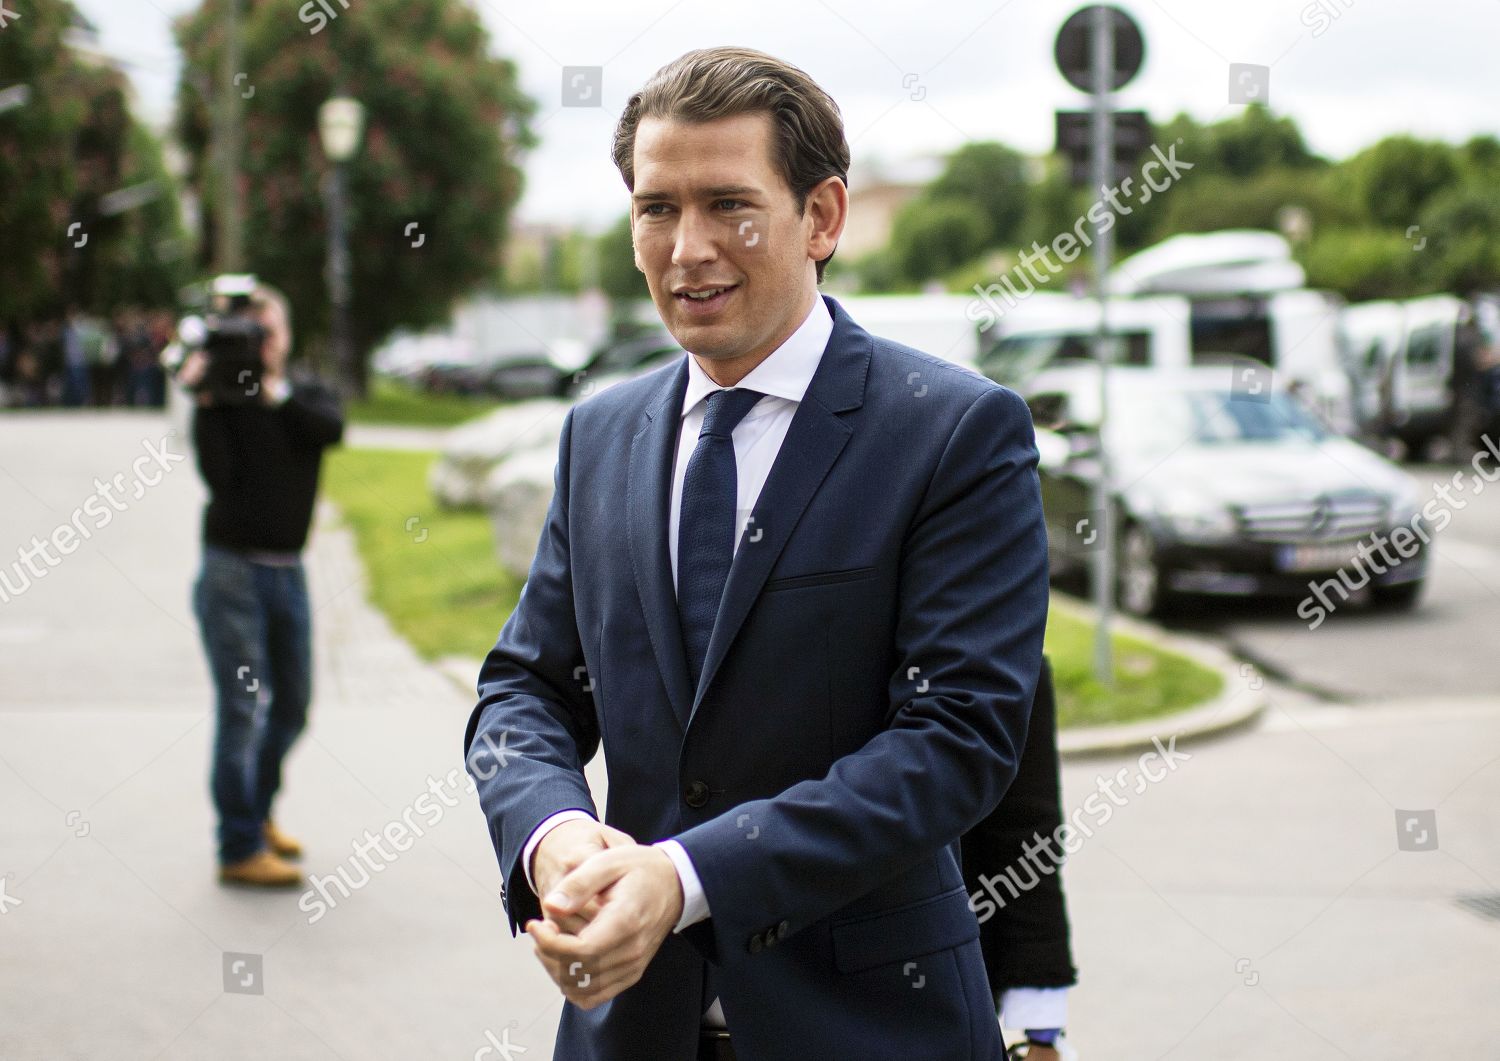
x: 265, y: 296
x: 808, y: 144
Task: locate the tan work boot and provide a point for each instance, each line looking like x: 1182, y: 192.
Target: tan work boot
x: 264, y: 869
x: 280, y: 842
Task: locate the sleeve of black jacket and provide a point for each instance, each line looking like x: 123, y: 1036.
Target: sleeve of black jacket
x: 314, y: 414
x: 1026, y: 941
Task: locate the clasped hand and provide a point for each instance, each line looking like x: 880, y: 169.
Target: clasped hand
x: 608, y: 903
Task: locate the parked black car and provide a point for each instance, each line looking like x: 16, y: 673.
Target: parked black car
x: 1218, y: 491
x: 621, y: 358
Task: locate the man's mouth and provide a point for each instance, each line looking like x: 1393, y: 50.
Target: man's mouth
x: 705, y: 298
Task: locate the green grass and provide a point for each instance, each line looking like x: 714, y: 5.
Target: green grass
x: 447, y: 595
x: 432, y: 571
x: 390, y: 402
x: 1148, y: 681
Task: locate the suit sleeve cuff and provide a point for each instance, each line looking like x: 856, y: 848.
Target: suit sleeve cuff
x: 1034, y: 1007
x: 548, y: 824
x: 694, y: 902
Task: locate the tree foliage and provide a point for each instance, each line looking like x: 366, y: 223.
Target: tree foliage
x: 992, y: 177
x: 1403, y: 217
x: 63, y: 151
x: 932, y: 236
x: 432, y: 185
x: 618, y: 276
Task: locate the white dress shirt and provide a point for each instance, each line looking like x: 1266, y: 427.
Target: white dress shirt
x: 783, y: 378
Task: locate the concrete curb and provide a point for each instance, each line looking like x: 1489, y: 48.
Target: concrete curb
x: 1243, y: 700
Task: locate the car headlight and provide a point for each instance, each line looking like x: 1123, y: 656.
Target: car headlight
x: 1192, y: 518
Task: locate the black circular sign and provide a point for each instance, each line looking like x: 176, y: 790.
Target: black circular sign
x: 1075, y: 48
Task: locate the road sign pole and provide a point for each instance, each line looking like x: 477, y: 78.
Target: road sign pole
x: 1103, y: 175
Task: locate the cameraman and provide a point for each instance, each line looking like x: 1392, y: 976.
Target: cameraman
x: 259, y: 452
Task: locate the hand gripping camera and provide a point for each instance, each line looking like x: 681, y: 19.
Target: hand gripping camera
x: 231, y: 338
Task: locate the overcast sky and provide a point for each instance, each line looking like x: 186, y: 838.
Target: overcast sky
x: 914, y: 78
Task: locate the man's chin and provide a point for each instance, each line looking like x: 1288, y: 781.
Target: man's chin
x: 716, y: 342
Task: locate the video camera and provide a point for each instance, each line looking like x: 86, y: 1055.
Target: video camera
x: 231, y: 338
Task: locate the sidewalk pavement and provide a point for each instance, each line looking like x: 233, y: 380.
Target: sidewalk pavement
x: 1250, y: 902
x: 118, y: 945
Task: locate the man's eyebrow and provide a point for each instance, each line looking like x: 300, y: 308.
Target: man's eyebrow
x: 716, y: 192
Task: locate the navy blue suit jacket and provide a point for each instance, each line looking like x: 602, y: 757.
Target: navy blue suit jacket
x: 863, y: 703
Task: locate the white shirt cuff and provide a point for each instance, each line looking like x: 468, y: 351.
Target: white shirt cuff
x: 1034, y: 1007
x: 694, y: 902
x: 279, y: 391
x: 548, y: 824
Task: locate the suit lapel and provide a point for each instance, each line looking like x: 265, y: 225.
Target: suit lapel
x: 814, y: 440
x: 648, y: 495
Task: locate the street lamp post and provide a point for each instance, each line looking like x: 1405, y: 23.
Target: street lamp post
x: 340, y: 123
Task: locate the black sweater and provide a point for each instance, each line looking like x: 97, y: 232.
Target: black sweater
x: 261, y: 465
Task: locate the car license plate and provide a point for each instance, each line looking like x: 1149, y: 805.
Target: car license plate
x: 1324, y: 556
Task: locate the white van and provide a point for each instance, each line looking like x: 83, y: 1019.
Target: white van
x: 1424, y: 368
x: 934, y: 324
x: 1048, y: 329
x: 1197, y: 298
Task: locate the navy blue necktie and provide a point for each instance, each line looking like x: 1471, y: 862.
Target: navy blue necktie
x: 705, y: 528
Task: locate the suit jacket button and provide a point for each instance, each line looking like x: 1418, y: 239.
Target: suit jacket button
x: 697, y: 795
x: 782, y: 929
x: 755, y: 944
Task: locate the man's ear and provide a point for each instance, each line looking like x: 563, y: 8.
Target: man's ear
x: 828, y: 206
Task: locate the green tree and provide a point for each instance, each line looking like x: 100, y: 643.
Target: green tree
x: 992, y: 177
x: 1362, y: 263
x: 149, y: 262
x: 1258, y: 142
x: 1053, y: 204
x: 1211, y: 202
x: 1481, y: 158
x: 618, y: 276
x: 1253, y: 142
x: 1394, y: 179
x: 1462, y: 253
x: 68, y: 141
x: 930, y: 237
x: 438, y: 165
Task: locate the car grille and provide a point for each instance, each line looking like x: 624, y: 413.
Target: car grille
x: 1332, y: 517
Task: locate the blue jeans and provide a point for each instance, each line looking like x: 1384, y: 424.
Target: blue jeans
x: 257, y: 631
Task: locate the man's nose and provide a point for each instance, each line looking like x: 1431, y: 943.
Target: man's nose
x: 696, y: 240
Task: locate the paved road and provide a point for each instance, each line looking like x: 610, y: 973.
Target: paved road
x: 1253, y: 903
x: 1445, y: 647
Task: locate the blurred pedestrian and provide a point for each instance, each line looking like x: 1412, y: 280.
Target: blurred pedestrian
x: 142, y: 372
x: 76, y: 386
x: 161, y: 330
x: 31, y: 367
x: 260, y: 459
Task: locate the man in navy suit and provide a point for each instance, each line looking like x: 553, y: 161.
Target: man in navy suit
x: 795, y: 586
